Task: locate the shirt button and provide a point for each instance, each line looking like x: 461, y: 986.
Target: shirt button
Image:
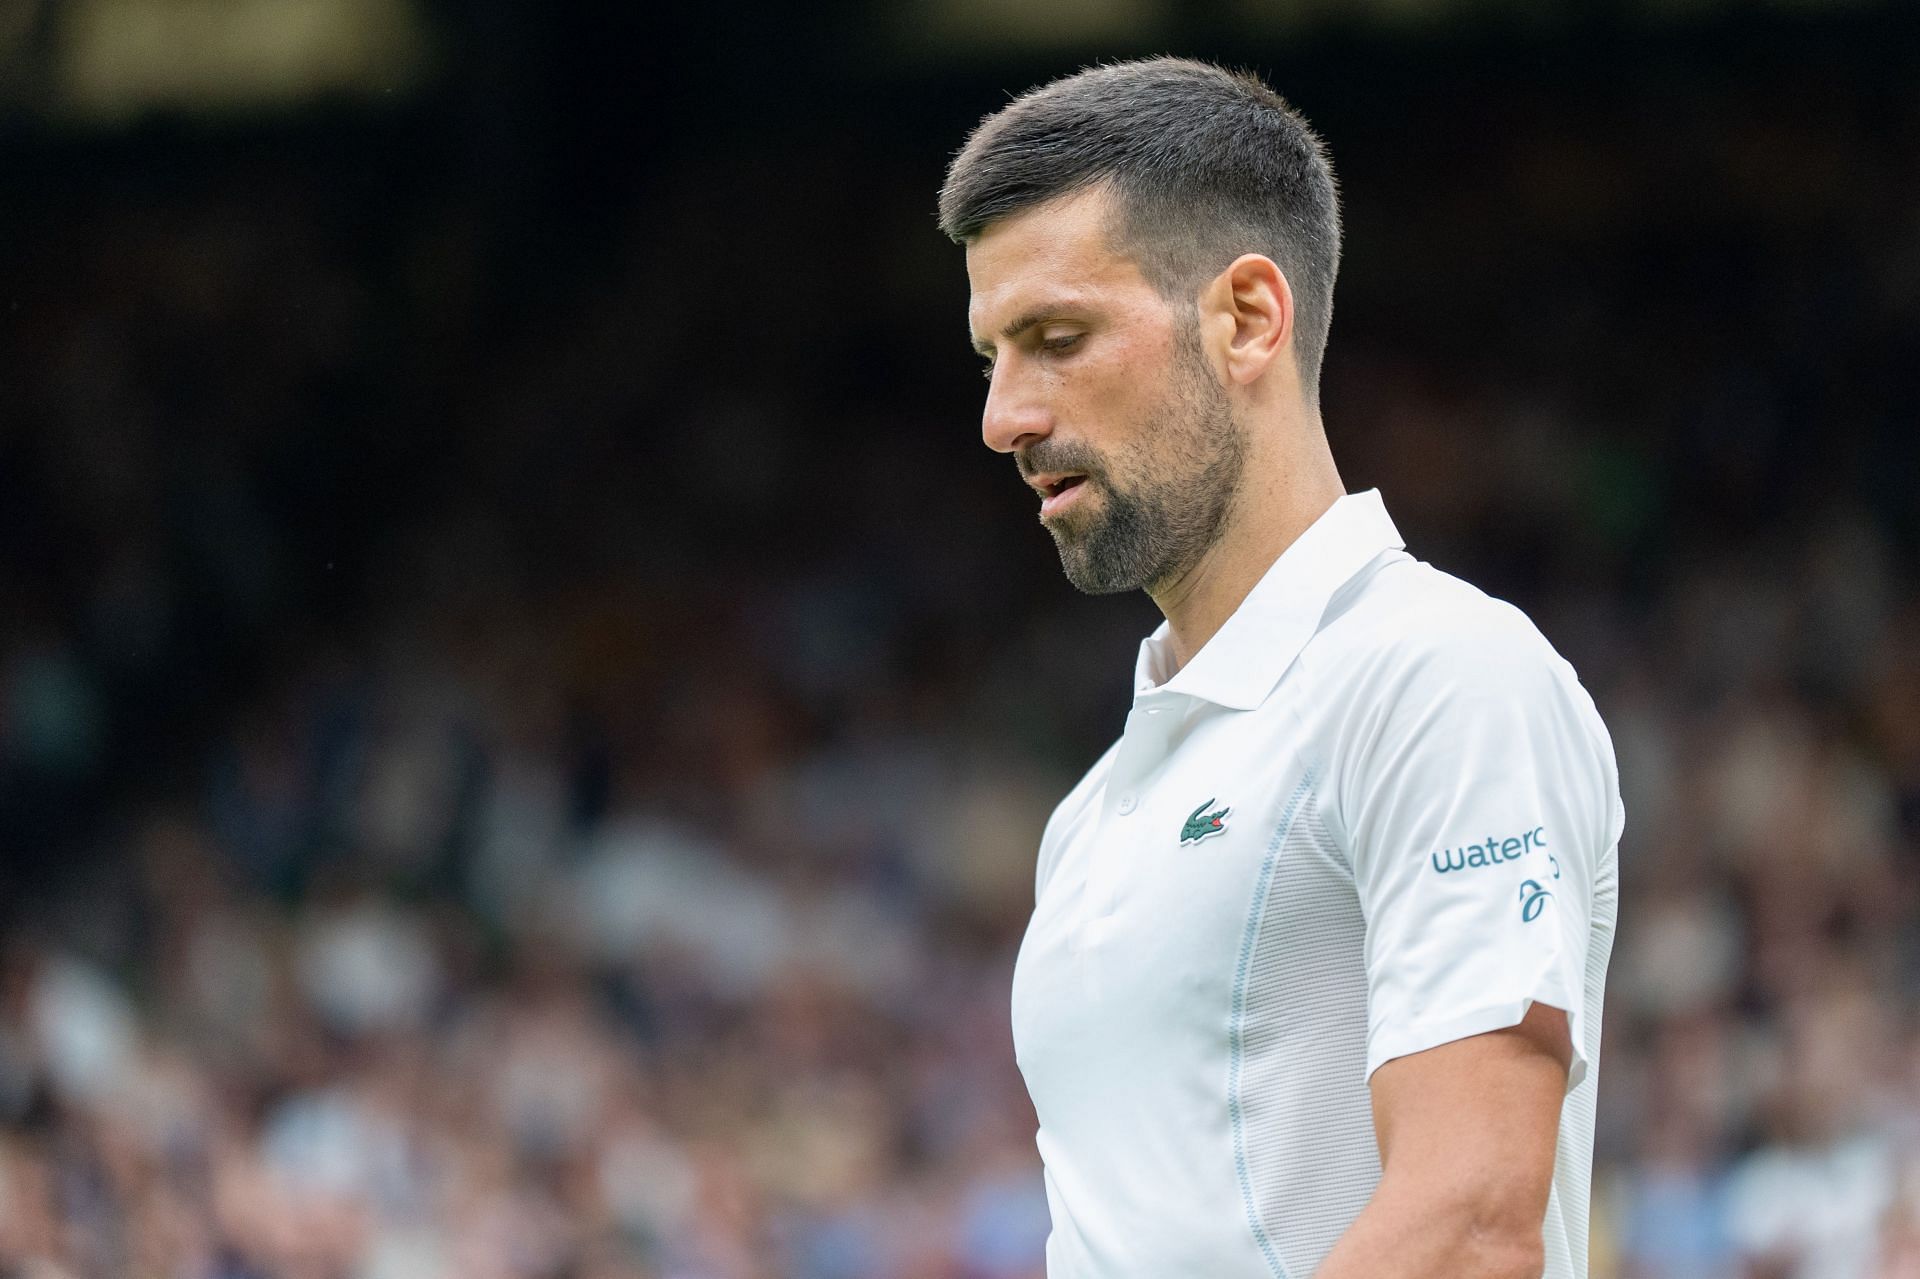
x: 1128, y: 802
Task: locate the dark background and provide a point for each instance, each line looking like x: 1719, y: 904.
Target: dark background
x: 525, y: 707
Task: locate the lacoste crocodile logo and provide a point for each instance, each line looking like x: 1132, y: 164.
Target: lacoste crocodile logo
x: 1201, y: 823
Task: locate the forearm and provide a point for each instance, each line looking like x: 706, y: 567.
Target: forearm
x: 1409, y: 1237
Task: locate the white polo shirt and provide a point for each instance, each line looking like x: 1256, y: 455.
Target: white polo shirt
x: 1374, y: 814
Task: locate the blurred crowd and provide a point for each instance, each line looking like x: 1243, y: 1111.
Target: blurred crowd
x: 496, y: 788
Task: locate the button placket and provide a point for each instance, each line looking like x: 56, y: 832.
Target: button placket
x: 1143, y: 749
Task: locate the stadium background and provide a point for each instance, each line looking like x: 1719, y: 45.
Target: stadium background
x: 525, y: 709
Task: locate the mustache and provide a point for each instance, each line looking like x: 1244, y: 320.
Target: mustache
x: 1050, y: 457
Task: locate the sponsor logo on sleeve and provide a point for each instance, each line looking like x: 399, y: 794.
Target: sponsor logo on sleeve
x: 1533, y: 900
x: 1493, y: 851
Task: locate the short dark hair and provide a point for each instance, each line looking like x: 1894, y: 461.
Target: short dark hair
x: 1205, y: 164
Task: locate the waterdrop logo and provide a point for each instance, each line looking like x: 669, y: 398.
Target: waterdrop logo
x: 1491, y: 851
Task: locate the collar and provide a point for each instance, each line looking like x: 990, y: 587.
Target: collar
x: 1246, y: 657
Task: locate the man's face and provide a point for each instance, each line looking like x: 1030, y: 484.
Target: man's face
x: 1100, y: 390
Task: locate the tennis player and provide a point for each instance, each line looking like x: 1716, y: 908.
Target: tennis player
x: 1313, y: 981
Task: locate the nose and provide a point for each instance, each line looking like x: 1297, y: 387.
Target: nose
x: 1014, y: 417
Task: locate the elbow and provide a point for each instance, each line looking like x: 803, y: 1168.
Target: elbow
x: 1505, y: 1255
x: 1499, y: 1245
x: 1489, y: 1235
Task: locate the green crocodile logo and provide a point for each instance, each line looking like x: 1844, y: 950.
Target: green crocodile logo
x: 1201, y: 823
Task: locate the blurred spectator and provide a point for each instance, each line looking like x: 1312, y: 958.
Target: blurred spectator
x: 497, y: 790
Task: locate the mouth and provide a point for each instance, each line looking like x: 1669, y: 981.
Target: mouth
x: 1056, y: 491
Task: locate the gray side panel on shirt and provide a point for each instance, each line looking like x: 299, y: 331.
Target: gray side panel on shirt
x: 1302, y: 1115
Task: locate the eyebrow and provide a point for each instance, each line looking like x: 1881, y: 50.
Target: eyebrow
x: 1027, y: 319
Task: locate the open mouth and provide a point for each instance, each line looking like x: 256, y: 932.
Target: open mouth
x: 1061, y: 485
x: 1057, y: 491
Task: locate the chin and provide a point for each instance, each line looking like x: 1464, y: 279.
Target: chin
x: 1091, y: 576
x: 1089, y: 585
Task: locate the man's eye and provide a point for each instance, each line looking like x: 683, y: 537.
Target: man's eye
x: 986, y: 370
x: 1061, y: 345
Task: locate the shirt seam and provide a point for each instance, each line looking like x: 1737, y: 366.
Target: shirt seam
x: 1236, y: 1024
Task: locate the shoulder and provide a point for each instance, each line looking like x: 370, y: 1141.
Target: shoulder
x: 1410, y: 629
x: 1421, y: 673
x: 1441, y: 707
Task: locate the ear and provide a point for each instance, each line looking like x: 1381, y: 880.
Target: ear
x: 1246, y: 315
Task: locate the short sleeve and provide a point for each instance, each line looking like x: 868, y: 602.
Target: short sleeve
x: 1479, y: 800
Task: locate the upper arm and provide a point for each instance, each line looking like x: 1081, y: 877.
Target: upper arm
x: 1478, y: 801
x: 1468, y: 1130
x: 1475, y: 795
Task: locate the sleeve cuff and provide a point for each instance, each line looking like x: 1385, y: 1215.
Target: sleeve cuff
x: 1403, y: 1041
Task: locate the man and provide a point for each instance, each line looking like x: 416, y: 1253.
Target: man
x: 1313, y: 980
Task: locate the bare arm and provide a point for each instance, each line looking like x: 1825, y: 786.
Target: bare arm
x: 1468, y: 1133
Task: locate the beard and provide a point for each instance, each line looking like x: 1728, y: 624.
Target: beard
x: 1164, y: 500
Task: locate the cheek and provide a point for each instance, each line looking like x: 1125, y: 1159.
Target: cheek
x: 1122, y: 393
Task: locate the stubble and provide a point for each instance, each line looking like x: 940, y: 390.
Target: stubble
x: 1166, y: 498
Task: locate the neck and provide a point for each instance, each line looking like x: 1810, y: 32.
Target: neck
x: 1283, y: 492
